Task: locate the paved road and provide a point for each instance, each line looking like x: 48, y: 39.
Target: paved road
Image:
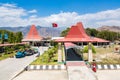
x: 43, y: 75
x: 108, y: 74
x: 12, y: 66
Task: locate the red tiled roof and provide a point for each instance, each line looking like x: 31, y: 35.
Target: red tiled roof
x: 77, y: 31
x: 100, y: 40
x: 33, y: 35
x: 78, y: 34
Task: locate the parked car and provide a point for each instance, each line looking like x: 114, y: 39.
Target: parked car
x: 20, y: 54
x: 29, y: 52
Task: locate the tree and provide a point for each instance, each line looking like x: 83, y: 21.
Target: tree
x: 108, y: 35
x: 19, y: 36
x: 92, y: 32
x: 64, y: 33
x: 2, y: 39
x: 11, y: 38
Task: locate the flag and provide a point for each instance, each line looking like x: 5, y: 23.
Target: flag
x: 54, y: 25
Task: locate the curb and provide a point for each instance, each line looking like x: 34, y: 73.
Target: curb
x: 45, y: 67
x: 108, y: 66
x: 18, y: 74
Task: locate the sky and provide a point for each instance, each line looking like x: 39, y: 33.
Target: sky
x: 92, y: 13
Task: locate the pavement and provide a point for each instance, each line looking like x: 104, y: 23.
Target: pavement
x: 12, y: 66
x: 43, y: 75
x: 77, y: 70
x: 63, y: 75
x: 76, y: 67
x: 108, y: 74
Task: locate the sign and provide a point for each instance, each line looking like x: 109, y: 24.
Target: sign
x: 5, y: 36
x: 0, y: 36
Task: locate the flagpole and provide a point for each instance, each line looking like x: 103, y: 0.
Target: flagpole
x: 54, y: 25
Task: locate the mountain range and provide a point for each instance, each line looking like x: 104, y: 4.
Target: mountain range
x: 54, y: 32
x: 43, y: 31
x: 109, y: 28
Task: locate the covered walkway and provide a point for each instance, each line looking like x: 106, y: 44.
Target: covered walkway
x: 76, y: 67
x: 72, y: 55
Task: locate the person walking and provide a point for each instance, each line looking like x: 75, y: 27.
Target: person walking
x: 94, y: 66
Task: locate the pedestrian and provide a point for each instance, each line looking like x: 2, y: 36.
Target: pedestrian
x: 94, y: 66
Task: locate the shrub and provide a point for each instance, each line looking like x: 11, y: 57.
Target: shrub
x: 85, y: 50
x: 49, y: 56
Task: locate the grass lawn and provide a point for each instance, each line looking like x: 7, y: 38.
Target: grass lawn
x: 105, y: 55
x: 39, y: 62
x: 5, y: 56
x: 104, y: 50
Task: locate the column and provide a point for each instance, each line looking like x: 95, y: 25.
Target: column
x: 90, y: 57
x: 59, y: 53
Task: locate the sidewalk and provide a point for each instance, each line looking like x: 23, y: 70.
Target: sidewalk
x: 43, y: 75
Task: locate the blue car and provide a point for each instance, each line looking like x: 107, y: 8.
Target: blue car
x: 20, y: 54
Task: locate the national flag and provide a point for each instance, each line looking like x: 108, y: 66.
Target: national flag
x: 54, y: 25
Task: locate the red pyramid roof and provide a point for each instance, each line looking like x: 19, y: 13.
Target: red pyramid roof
x: 78, y: 34
x: 32, y: 35
x: 77, y: 31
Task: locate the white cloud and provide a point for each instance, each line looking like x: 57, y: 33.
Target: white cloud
x: 12, y: 15
x: 32, y: 11
x: 8, y: 5
x: 9, y: 10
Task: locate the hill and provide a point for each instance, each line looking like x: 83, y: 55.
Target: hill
x: 43, y: 31
x: 110, y: 28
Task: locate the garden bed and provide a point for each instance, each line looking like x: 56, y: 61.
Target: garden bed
x: 47, y: 58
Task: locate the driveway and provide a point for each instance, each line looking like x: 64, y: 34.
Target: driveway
x: 12, y: 66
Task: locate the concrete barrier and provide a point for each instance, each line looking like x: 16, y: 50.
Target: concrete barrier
x: 108, y: 66
x: 46, y: 67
